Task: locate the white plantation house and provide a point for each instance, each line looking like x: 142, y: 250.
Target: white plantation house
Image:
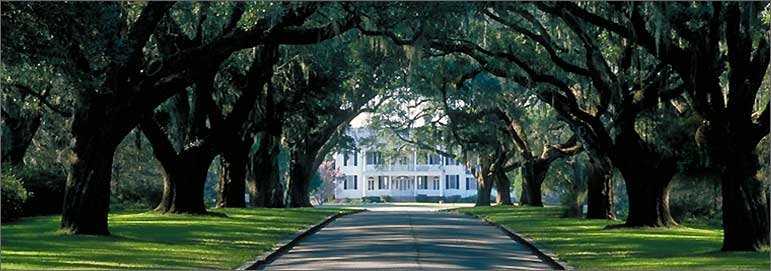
x: 413, y: 173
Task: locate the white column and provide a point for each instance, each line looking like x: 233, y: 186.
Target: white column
x: 441, y: 184
x: 414, y: 159
x: 415, y: 191
x: 364, y: 183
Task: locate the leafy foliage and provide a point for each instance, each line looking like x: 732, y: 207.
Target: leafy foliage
x: 14, y: 195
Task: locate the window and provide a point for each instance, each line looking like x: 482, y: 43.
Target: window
x: 471, y: 184
x: 450, y: 162
x: 382, y: 182
x: 350, y: 182
x: 406, y: 184
x: 355, y: 158
x: 371, y: 184
x: 374, y: 158
x: 451, y: 182
x: 434, y: 159
x: 345, y: 159
x: 423, y: 182
x: 401, y: 183
x: 435, y: 183
x: 403, y: 160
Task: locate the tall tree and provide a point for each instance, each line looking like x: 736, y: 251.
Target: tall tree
x: 730, y: 130
x: 339, y: 93
x: 120, y: 82
x: 184, y: 188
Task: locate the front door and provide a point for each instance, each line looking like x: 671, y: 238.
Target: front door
x: 402, y: 186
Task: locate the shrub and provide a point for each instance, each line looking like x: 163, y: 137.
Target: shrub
x: 469, y: 199
x: 427, y: 198
x: 696, y: 200
x: 14, y: 195
x: 453, y: 199
x: 386, y: 198
x: 371, y: 199
x: 45, y: 188
x: 136, y: 193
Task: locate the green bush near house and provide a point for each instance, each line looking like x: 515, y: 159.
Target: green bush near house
x: 371, y: 199
x: 428, y: 199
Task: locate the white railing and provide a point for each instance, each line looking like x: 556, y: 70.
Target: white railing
x: 403, y: 167
x: 428, y: 167
x: 390, y: 168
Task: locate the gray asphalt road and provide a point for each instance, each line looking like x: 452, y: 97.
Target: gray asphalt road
x: 408, y: 240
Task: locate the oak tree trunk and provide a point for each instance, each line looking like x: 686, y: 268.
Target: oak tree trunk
x: 266, y: 189
x: 599, y: 196
x: 533, y: 174
x: 168, y: 193
x: 232, y: 179
x: 484, y: 182
x: 503, y: 185
x: 745, y: 208
x: 300, y: 174
x: 87, y: 193
x: 186, y: 184
x: 17, y: 134
x: 484, y: 187
x: 647, y: 175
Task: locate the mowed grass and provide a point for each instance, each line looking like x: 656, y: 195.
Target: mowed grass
x: 153, y: 241
x: 585, y: 244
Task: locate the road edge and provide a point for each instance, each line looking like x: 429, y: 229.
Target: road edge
x: 286, y: 244
x: 544, y: 254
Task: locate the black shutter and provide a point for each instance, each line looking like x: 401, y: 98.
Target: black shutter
x: 355, y: 182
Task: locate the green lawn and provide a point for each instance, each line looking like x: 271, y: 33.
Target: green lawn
x: 584, y: 244
x: 153, y: 241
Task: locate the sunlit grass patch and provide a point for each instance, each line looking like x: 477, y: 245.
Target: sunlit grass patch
x: 149, y: 240
x: 586, y: 244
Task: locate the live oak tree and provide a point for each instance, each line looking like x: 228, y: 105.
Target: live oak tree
x: 722, y: 83
x: 625, y: 92
x: 205, y: 79
x: 123, y: 78
x: 340, y: 87
x: 183, y: 189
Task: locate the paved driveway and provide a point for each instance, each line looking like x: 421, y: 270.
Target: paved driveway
x: 408, y: 240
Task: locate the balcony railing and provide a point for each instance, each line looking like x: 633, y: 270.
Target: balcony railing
x: 403, y: 167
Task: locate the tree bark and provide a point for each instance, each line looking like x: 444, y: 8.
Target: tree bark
x: 187, y: 185
x: 18, y: 132
x: 648, y: 175
x: 745, y: 209
x: 87, y: 193
x: 232, y: 179
x: 599, y: 196
x: 168, y: 193
x: 503, y: 185
x: 533, y: 174
x: 300, y: 173
x: 484, y: 181
x: 744, y: 205
x: 484, y: 187
x: 266, y: 189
